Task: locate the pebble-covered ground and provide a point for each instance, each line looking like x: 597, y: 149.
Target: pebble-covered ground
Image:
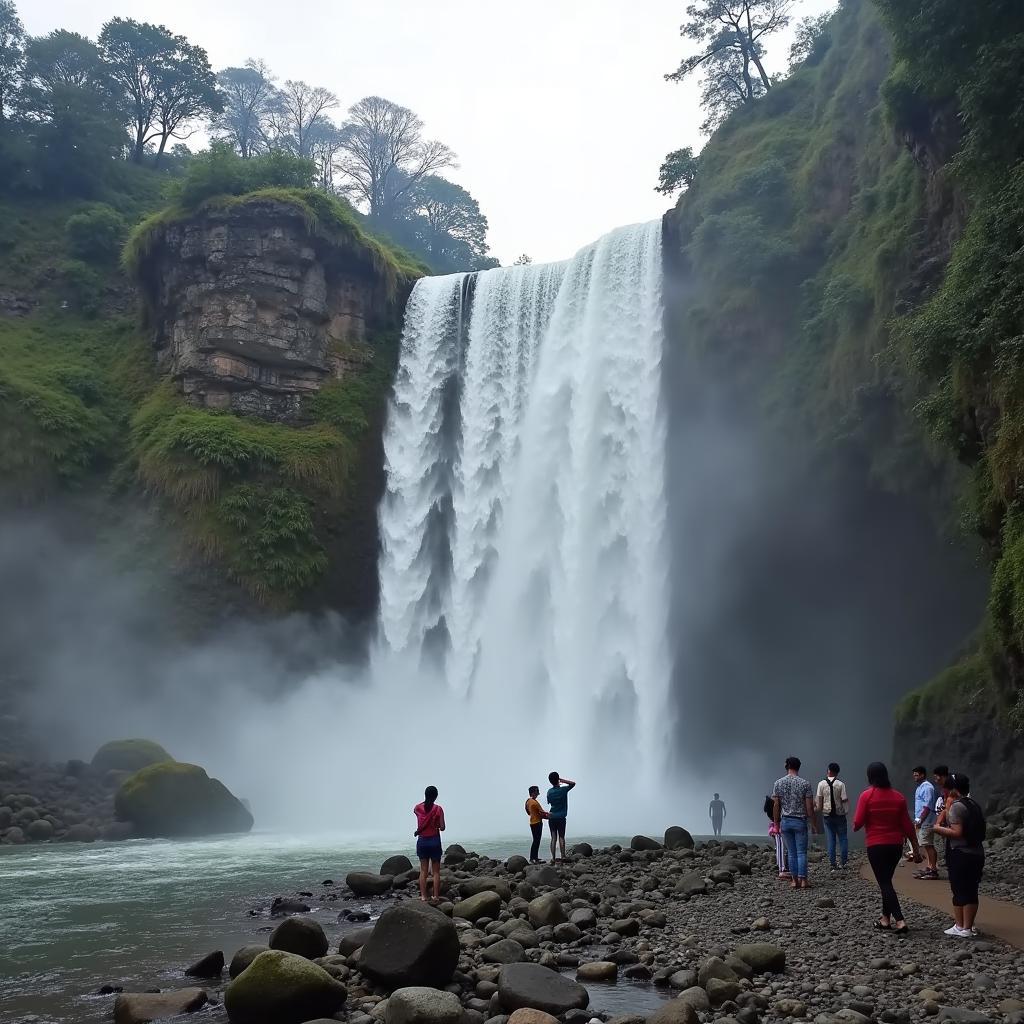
x: 665, y: 926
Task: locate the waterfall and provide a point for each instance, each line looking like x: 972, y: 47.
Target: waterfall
x: 523, y: 551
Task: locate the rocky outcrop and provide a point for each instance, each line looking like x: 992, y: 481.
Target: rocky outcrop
x: 252, y: 310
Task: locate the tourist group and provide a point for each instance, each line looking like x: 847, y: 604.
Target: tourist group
x: 942, y: 808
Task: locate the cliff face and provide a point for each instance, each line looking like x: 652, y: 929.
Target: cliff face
x: 252, y: 312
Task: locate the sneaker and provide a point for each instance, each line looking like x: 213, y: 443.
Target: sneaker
x: 957, y: 932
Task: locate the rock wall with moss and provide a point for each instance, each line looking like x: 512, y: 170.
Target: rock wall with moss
x: 239, y: 403
x: 844, y: 272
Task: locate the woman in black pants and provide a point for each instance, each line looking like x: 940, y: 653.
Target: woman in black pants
x: 963, y: 825
x: 537, y: 815
x: 882, y: 813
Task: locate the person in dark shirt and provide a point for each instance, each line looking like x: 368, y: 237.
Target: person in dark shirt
x: 558, y: 811
x: 716, y: 812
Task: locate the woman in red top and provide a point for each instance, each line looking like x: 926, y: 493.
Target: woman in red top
x: 429, y: 826
x: 882, y: 812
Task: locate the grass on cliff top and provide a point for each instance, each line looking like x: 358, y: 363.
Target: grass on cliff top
x: 219, y: 180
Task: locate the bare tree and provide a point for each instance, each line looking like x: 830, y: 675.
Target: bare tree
x: 249, y: 94
x: 297, y: 110
x: 384, y: 154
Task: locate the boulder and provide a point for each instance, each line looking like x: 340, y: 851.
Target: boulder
x: 566, y: 932
x: 396, y: 865
x: 475, y: 886
x: 539, y: 988
x: 279, y: 906
x: 351, y: 941
x: 584, y: 918
x: 627, y: 926
x: 128, y: 756
x: 598, y: 970
x: 763, y: 957
x: 528, y: 1016
x: 415, y: 1005
x: 173, y: 798
x: 483, y: 904
x: 284, y: 988
x: 683, y: 980
x: 39, y: 831
x: 242, y: 958
x: 696, y: 997
x: 546, y: 875
x: 210, y: 966
x: 677, y: 838
x: 720, y: 991
x: 675, y: 1011
x: 83, y: 833
x: 644, y: 843
x: 504, y: 951
x: 582, y: 850
x: 715, y: 967
x: 546, y: 910
x: 142, y: 1007
x: 411, y: 944
x: 365, y: 883
x: 300, y: 935
x: 516, y: 863
x: 14, y: 836
x: 692, y: 884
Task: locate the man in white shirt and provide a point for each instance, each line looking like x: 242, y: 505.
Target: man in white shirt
x: 833, y: 803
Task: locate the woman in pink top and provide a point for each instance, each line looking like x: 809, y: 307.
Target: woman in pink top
x: 429, y: 826
x: 882, y: 813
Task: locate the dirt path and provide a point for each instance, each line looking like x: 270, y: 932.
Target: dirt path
x: 995, y: 917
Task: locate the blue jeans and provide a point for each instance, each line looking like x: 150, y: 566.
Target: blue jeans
x: 794, y: 835
x: 835, y: 829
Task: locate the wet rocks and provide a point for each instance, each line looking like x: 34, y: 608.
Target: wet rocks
x: 546, y: 910
x: 677, y: 838
x: 300, y: 935
x: 242, y: 958
x: 284, y: 988
x: 483, y: 904
x: 598, y: 970
x: 535, y: 987
x: 209, y: 966
x: 417, y: 1005
x: 411, y: 945
x: 142, y: 1007
x: 365, y: 883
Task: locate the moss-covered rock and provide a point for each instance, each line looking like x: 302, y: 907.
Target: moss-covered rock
x: 283, y: 988
x: 128, y: 755
x: 178, y: 799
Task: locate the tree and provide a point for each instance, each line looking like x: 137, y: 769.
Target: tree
x: 12, y: 55
x: 249, y: 97
x: 324, y: 141
x: 455, y: 229
x: 384, y: 155
x: 64, y: 58
x: 731, y: 34
x: 297, y: 115
x: 165, y: 81
x: 677, y: 172
x: 810, y: 41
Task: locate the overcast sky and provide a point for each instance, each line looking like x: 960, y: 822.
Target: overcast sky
x: 557, y: 109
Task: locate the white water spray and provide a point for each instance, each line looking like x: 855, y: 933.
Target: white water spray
x: 524, y: 555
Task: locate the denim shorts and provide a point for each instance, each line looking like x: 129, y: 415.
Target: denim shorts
x: 428, y: 848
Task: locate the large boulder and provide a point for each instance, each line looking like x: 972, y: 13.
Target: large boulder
x: 677, y: 838
x: 353, y: 940
x: 411, y: 944
x: 396, y: 865
x: 544, y: 875
x: 142, y: 1007
x: 284, y: 988
x: 546, y: 909
x: 173, y: 798
x: 210, y: 966
x: 715, y: 967
x: 300, y: 935
x: 692, y: 884
x: 39, y: 831
x: 539, y: 988
x: 128, y: 755
x: 485, y: 883
x: 644, y: 843
x: 526, y: 1016
x: 242, y: 958
x: 483, y: 904
x: 675, y: 1011
x: 415, y: 1005
x: 763, y: 957
x: 504, y: 951
x: 365, y: 883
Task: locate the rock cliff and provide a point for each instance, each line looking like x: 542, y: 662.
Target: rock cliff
x: 252, y: 310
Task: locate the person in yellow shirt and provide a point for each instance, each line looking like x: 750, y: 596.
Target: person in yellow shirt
x: 537, y: 815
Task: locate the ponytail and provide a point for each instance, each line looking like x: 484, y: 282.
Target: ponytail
x: 429, y: 795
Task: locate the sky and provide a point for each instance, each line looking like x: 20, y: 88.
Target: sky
x: 557, y: 109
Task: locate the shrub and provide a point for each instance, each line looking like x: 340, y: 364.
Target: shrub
x: 96, y: 233
x: 220, y: 171
x: 83, y: 286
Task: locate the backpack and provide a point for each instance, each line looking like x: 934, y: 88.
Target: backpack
x: 769, y: 807
x: 975, y: 827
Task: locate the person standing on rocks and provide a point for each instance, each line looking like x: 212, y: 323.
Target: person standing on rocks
x: 558, y: 811
x: 429, y: 826
x: 924, y: 821
x: 537, y: 815
x: 833, y: 804
x: 963, y: 823
x: 775, y: 833
x: 716, y: 812
x: 882, y: 813
x: 793, y: 811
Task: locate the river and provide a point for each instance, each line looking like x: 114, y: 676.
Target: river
x: 135, y: 914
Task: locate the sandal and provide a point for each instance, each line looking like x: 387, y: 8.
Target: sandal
x: 903, y: 930
x: 882, y: 927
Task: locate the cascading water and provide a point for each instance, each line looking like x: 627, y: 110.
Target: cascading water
x: 524, y: 557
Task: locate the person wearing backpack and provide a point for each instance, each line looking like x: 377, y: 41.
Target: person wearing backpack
x: 962, y: 822
x: 833, y: 804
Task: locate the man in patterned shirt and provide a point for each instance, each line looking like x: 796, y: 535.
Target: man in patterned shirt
x: 793, y: 802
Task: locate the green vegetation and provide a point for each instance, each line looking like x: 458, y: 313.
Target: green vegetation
x: 129, y: 755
